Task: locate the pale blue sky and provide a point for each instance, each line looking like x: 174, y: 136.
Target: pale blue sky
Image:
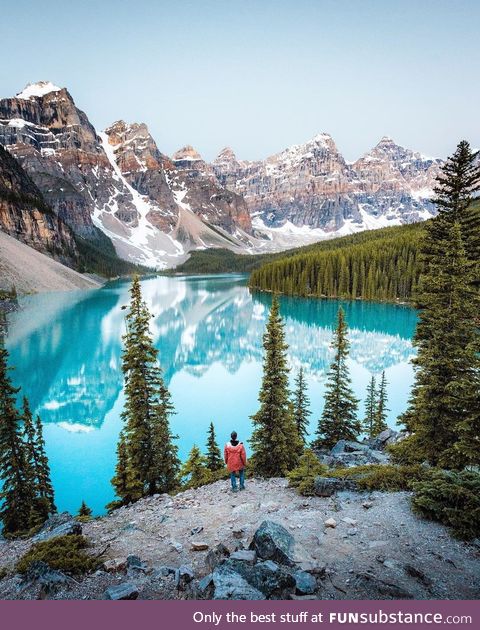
x: 258, y: 75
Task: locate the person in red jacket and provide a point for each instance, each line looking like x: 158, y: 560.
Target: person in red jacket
x: 236, y: 460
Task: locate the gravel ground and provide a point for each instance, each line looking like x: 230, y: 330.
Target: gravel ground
x: 378, y: 549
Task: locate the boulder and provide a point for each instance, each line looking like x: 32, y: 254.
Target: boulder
x: 305, y: 583
x: 346, y: 446
x: 268, y: 577
x: 330, y: 522
x: 272, y: 541
x: 121, y: 591
x: 228, y: 584
x: 383, y: 439
x: 327, y: 486
x: 63, y: 526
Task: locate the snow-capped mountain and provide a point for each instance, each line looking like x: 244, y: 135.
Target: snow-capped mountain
x: 155, y: 209
x: 118, y: 181
x: 312, y: 188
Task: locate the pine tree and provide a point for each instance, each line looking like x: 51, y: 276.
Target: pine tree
x: 381, y: 411
x: 123, y: 479
x: 301, y: 407
x: 84, y: 511
x: 37, y: 466
x: 370, y: 408
x: 194, y: 471
x: 444, y: 408
x: 214, y: 455
x: 339, y: 418
x: 17, y: 492
x: 275, y: 441
x: 147, y: 456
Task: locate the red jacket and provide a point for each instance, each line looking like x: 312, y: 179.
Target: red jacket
x: 235, y: 456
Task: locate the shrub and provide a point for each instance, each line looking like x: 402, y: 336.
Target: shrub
x: 64, y: 553
x: 452, y: 498
x: 384, y: 477
x: 303, y: 476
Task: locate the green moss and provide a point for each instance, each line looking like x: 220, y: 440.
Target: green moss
x: 452, y: 498
x: 64, y: 553
x: 384, y: 477
x: 303, y: 476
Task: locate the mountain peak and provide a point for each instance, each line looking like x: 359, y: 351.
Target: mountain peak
x: 227, y: 154
x: 186, y: 153
x: 39, y: 89
x: 322, y: 138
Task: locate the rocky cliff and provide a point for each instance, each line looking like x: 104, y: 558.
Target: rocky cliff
x: 25, y: 215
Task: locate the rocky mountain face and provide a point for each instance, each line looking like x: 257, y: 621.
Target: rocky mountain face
x: 117, y: 182
x: 313, y: 186
x: 155, y: 209
x: 212, y: 201
x: 25, y: 215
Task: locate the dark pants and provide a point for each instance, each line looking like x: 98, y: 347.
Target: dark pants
x: 233, y: 479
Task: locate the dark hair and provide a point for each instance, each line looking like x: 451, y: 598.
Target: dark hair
x: 233, y: 435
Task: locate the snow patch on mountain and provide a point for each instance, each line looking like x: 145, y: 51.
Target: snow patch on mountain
x: 38, y: 89
x: 141, y: 242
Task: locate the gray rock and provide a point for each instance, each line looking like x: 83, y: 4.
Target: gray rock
x: 121, y: 591
x: 216, y: 556
x: 183, y: 576
x: 49, y: 579
x: 327, y: 486
x: 346, y: 446
x: 273, y: 580
x: 383, y: 439
x: 205, y: 585
x: 53, y: 528
x: 228, y: 584
x: 305, y: 583
x: 196, y: 530
x: 245, y: 555
x: 272, y: 541
x: 134, y: 563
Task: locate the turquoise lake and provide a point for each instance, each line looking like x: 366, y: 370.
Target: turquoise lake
x: 66, y: 350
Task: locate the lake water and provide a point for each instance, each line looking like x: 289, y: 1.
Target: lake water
x: 66, y: 350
